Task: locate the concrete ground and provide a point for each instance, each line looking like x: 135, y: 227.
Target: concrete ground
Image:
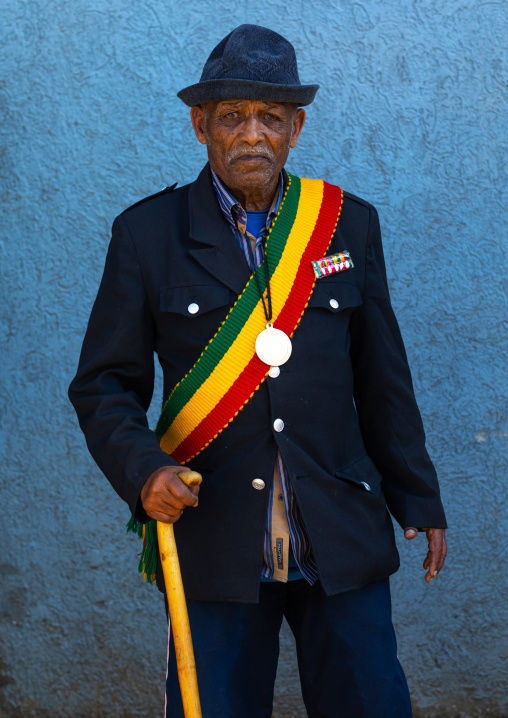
x: 288, y: 701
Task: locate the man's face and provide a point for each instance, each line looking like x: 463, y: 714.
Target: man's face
x: 248, y: 141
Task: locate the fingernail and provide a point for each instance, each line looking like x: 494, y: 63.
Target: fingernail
x: 434, y: 573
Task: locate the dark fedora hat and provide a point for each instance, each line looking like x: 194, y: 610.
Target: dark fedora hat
x: 251, y: 63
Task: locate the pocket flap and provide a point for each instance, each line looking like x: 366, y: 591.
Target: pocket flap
x: 193, y: 300
x: 363, y: 472
x: 335, y: 295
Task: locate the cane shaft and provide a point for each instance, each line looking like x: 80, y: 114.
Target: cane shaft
x: 178, y: 613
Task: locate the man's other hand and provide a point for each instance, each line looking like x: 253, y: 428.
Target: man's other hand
x: 437, y: 550
x: 164, y: 495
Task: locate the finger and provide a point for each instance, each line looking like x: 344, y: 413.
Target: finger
x: 195, y: 491
x: 410, y: 533
x: 431, y: 569
x: 164, y: 509
x: 432, y: 572
x: 433, y: 564
x: 169, y: 500
x: 442, y: 559
x: 436, y: 554
x: 163, y: 500
x: 181, y: 492
x: 183, y: 505
x: 164, y: 517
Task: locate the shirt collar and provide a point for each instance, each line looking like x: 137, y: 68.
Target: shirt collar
x: 233, y: 210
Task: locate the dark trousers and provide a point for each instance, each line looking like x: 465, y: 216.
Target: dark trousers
x: 346, y: 648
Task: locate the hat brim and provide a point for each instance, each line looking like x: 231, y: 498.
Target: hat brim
x: 220, y: 90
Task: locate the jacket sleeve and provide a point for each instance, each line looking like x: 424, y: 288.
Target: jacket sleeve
x: 113, y: 387
x: 390, y: 421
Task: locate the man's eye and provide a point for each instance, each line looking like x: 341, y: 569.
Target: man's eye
x: 271, y: 117
x: 231, y: 115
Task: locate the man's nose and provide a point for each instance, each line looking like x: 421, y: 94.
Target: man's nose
x: 252, y: 130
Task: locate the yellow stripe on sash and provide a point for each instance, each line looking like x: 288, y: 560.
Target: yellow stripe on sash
x: 241, y: 351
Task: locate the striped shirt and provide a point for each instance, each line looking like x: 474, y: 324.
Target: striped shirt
x: 236, y: 216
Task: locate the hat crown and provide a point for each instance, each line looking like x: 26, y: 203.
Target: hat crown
x: 253, y: 53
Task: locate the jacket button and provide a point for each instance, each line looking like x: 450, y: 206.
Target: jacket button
x: 366, y: 486
x: 193, y: 308
x: 258, y: 484
x: 278, y: 425
x: 334, y: 304
x: 274, y: 372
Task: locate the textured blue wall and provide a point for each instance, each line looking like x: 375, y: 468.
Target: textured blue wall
x: 411, y: 116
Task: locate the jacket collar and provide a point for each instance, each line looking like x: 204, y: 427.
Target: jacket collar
x: 221, y: 256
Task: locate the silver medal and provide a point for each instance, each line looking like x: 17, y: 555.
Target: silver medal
x: 273, y: 346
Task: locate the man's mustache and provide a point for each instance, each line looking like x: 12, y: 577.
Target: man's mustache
x: 237, y: 152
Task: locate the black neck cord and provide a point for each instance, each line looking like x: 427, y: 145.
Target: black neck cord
x: 268, y: 312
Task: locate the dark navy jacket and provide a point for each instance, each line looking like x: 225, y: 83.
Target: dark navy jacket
x: 353, y: 440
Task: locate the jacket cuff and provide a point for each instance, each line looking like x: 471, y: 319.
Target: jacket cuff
x: 133, y: 497
x: 139, y: 513
x: 418, y: 512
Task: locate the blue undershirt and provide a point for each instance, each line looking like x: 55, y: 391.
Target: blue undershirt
x: 256, y: 221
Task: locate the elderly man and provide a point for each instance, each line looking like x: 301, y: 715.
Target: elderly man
x: 286, y: 385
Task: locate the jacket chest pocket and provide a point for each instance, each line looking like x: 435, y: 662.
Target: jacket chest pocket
x: 189, y: 317
x: 193, y: 301
x: 334, y: 296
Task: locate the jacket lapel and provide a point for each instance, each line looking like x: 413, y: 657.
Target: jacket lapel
x: 220, y: 254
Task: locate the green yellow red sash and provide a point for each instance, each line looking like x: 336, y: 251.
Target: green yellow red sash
x: 228, y: 372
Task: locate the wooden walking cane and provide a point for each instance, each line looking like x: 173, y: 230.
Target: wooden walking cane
x: 178, y: 610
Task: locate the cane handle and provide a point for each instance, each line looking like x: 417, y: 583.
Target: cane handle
x: 191, y: 478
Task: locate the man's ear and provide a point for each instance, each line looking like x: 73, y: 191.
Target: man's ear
x: 198, y: 123
x: 298, y: 123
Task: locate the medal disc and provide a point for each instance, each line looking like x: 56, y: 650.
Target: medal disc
x: 273, y: 346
